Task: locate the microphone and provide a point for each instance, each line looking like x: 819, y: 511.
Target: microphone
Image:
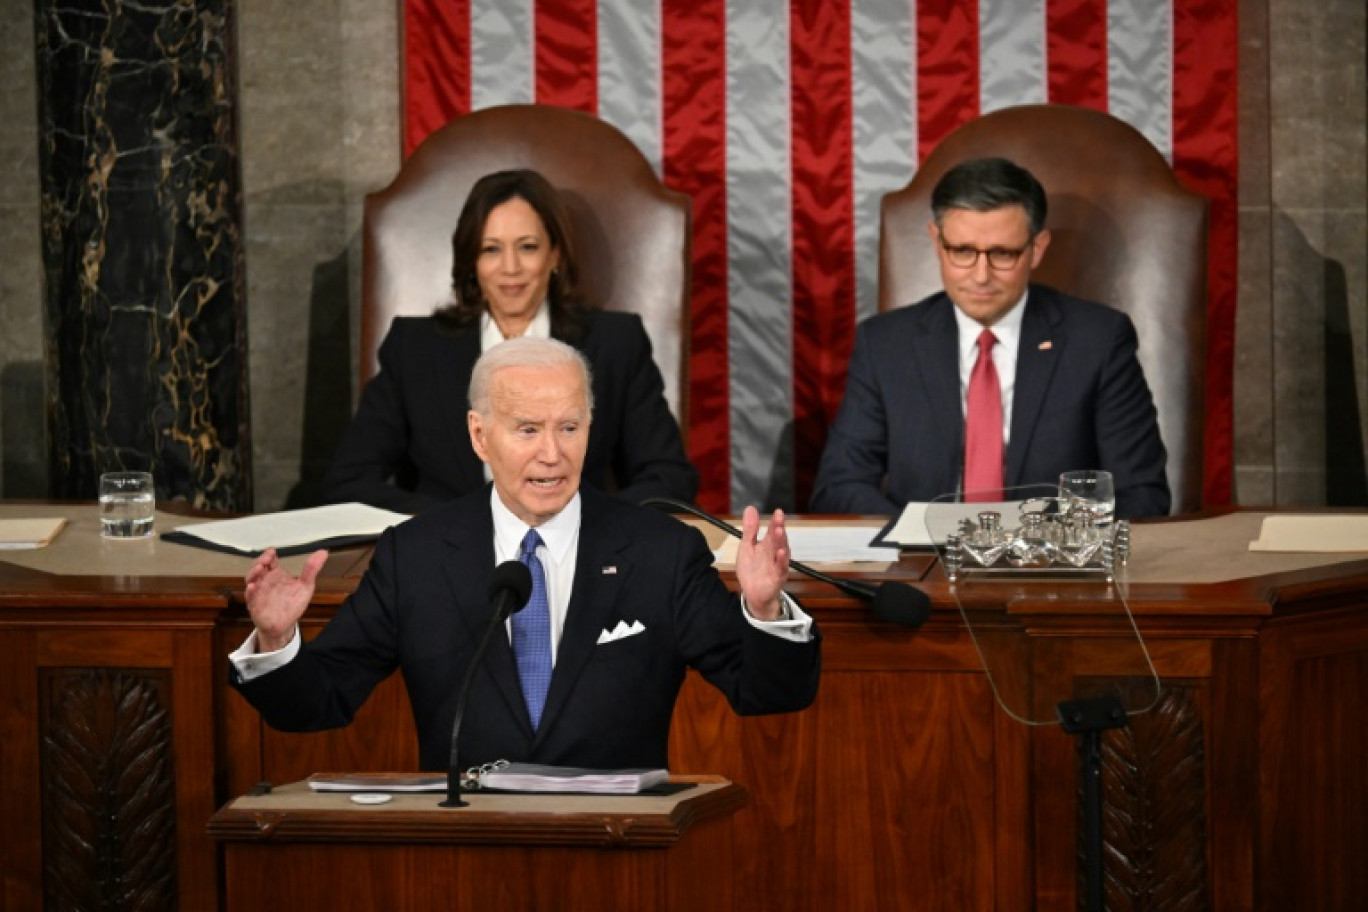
x: 509, y: 588
x: 891, y: 600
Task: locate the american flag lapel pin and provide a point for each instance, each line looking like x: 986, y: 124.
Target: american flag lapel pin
x: 610, y: 570
x: 1045, y: 346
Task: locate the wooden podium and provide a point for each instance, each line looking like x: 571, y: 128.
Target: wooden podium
x: 298, y: 849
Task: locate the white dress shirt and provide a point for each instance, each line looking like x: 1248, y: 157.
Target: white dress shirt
x: 491, y: 335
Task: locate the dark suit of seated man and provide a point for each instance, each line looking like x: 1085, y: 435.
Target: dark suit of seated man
x: 591, y: 679
x: 1072, y: 394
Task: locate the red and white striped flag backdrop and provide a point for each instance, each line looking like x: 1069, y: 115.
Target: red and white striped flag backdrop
x: 786, y: 123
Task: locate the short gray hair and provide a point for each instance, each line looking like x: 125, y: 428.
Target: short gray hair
x: 525, y: 351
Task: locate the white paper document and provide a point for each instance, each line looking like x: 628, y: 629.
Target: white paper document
x: 819, y: 544
x: 532, y: 777
x: 291, y: 530
x: 910, y: 529
x: 377, y: 782
x: 1324, y: 533
x: 509, y: 777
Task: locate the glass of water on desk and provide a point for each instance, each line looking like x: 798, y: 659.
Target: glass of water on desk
x: 1091, y: 492
x: 127, y: 504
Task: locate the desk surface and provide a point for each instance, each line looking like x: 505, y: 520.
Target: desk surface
x: 1202, y: 550
x: 80, y: 550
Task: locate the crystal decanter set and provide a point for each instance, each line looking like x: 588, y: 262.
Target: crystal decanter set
x: 1050, y: 535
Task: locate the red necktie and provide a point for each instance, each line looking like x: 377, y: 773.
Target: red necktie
x: 983, y: 426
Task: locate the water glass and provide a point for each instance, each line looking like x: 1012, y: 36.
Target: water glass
x: 127, y: 504
x: 1089, y: 491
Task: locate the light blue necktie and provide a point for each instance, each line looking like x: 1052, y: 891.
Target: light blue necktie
x: 532, y: 634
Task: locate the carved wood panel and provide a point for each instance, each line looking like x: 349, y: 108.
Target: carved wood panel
x: 108, y: 787
x: 1154, y: 807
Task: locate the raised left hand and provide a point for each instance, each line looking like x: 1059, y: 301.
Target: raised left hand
x: 762, y: 564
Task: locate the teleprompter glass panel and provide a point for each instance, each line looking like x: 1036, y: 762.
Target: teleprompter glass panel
x: 1042, y: 587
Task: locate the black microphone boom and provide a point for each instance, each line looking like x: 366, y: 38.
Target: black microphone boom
x: 509, y: 588
x: 891, y: 600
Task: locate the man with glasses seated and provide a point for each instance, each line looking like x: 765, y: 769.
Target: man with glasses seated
x: 994, y: 381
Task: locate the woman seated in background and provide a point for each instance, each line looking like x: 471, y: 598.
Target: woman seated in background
x: 513, y: 273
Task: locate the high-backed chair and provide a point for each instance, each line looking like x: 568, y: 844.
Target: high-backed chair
x: 631, y: 232
x: 1123, y: 232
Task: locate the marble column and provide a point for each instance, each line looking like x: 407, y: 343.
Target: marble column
x: 144, y: 309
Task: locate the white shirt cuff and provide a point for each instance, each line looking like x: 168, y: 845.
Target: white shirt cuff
x: 794, y: 625
x: 252, y: 664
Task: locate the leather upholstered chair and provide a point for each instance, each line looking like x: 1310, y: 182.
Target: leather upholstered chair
x: 631, y: 232
x: 1123, y: 232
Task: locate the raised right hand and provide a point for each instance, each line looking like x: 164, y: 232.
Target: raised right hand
x: 276, y: 600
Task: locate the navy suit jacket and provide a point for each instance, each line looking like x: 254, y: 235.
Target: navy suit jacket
x: 422, y: 606
x: 408, y: 448
x: 1080, y: 402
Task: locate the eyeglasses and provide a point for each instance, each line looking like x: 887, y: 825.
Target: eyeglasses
x: 1001, y: 258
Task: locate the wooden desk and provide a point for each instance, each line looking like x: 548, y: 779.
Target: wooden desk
x: 294, y: 849
x: 112, y: 681
x: 903, y: 787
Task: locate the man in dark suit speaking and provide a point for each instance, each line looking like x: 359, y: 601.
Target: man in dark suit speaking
x: 994, y: 381
x: 624, y: 599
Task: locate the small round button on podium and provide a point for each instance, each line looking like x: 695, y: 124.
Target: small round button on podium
x: 371, y: 798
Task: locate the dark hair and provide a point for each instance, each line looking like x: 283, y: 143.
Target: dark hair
x: 985, y: 184
x: 491, y: 191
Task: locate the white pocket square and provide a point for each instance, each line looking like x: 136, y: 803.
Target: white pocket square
x: 621, y: 632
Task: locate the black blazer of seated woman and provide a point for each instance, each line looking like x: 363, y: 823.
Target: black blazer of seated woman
x: 408, y: 449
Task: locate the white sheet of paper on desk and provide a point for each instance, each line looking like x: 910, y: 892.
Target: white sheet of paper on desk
x: 295, y: 527
x: 817, y: 544
x: 1326, y: 533
x: 910, y: 529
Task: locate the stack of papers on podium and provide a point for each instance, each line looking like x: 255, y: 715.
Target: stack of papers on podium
x: 510, y: 777
x: 290, y: 532
x: 531, y: 777
x: 377, y: 782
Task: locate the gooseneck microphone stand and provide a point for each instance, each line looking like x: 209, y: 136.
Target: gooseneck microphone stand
x: 509, y: 589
